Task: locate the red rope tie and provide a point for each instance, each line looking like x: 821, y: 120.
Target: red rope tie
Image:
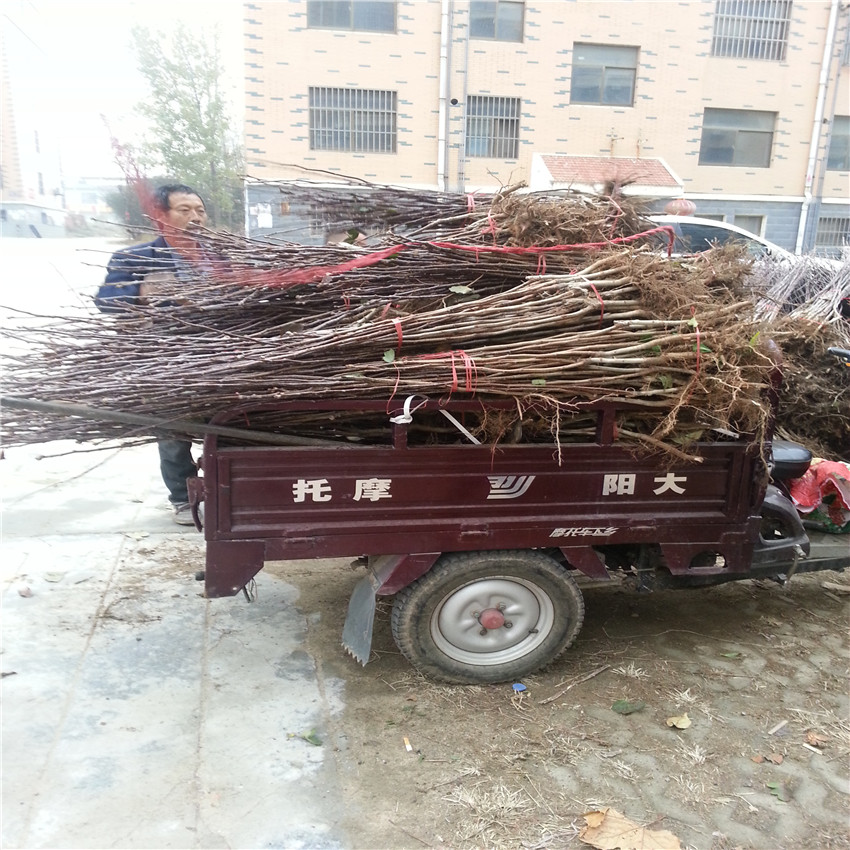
x: 395, y: 387
x: 541, y: 264
x: 470, y: 369
x: 397, y: 323
x: 601, y: 302
x: 470, y: 202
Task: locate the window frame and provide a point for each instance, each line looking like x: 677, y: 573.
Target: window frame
x: 832, y: 234
x: 751, y: 29
x: 500, y: 19
x: 335, y: 113
x: 740, y: 139
x: 605, y: 72
x: 491, y: 144
x: 336, y: 10
x: 838, y: 155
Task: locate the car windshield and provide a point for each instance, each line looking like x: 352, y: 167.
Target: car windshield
x: 693, y: 237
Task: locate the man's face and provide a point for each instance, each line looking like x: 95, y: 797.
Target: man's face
x: 184, y: 212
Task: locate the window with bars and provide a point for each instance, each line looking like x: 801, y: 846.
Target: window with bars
x: 751, y: 29
x: 603, y: 74
x: 833, y: 232
x: 751, y: 223
x: 352, y: 120
x: 492, y: 126
x: 500, y: 20
x: 839, y: 144
x: 366, y: 15
x: 741, y: 137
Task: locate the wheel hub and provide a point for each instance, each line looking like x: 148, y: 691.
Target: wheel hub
x: 491, y: 618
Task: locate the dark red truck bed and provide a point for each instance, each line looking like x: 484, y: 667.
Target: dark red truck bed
x: 480, y: 544
x: 279, y: 503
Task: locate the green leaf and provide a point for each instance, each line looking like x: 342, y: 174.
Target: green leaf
x: 692, y: 322
x: 389, y: 356
x: 665, y: 380
x: 461, y: 290
x: 538, y: 382
x: 685, y: 439
x: 656, y: 349
x: 754, y: 339
x: 731, y: 654
x: 311, y: 738
x: 780, y: 791
x: 624, y: 706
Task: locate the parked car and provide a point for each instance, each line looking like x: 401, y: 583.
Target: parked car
x: 699, y: 234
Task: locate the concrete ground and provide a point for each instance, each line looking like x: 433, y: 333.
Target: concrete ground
x: 135, y: 712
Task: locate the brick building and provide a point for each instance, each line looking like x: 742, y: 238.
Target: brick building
x: 744, y: 105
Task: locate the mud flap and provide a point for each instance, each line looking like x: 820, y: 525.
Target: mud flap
x: 357, y: 631
x: 389, y: 574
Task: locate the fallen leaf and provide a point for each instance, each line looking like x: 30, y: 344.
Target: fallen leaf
x: 816, y: 739
x: 758, y: 759
x: 680, y: 721
x: 54, y: 577
x: 776, y: 758
x: 610, y: 830
x: 593, y: 819
x: 624, y: 706
x: 780, y: 790
x: 312, y: 738
x: 731, y: 654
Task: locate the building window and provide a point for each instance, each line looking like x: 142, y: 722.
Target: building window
x: 839, y: 144
x: 40, y: 183
x: 352, y: 120
x: 742, y: 137
x: 603, y: 74
x: 833, y: 234
x: 500, y: 20
x: 750, y: 223
x: 366, y: 15
x: 751, y: 29
x: 492, y: 127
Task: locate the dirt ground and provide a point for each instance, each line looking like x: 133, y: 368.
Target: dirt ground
x: 760, y: 670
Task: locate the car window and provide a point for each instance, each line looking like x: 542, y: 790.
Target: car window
x: 701, y: 237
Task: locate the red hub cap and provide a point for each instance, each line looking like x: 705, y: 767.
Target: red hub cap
x: 492, y: 618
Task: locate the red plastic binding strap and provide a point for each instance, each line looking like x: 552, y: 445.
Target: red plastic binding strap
x: 397, y: 323
x: 601, y: 302
x: 470, y: 369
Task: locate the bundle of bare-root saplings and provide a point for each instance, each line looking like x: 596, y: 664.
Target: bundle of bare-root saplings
x: 548, y: 301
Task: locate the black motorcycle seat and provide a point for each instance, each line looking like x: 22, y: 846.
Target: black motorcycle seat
x: 790, y: 460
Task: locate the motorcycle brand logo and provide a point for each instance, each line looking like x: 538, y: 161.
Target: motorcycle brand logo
x: 578, y: 531
x: 508, y: 486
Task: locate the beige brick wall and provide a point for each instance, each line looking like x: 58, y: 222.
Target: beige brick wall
x: 676, y: 79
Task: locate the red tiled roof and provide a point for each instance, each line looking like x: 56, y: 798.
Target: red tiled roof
x: 592, y: 170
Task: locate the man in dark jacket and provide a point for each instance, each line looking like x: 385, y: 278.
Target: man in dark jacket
x: 140, y: 272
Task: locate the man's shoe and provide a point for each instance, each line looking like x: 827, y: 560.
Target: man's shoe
x: 183, y: 514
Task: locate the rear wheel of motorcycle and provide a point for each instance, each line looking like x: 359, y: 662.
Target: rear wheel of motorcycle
x: 483, y: 617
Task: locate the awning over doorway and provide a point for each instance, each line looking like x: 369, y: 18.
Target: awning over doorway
x: 645, y: 176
